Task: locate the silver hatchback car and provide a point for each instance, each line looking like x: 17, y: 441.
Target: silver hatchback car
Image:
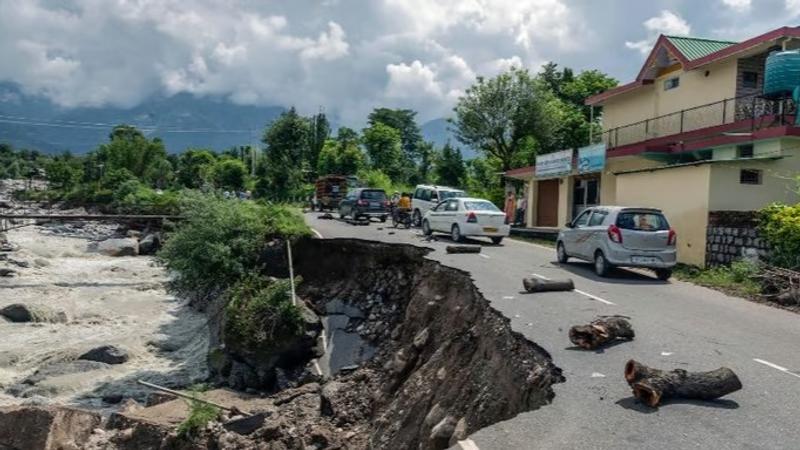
x: 611, y: 236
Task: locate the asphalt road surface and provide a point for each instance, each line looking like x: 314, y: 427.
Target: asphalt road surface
x: 677, y: 324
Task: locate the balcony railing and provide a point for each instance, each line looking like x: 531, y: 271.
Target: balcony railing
x: 761, y: 112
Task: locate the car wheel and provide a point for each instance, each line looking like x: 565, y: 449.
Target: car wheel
x: 426, y: 228
x: 417, y: 218
x: 383, y: 219
x: 601, y: 265
x: 561, y: 252
x: 497, y: 240
x: 663, y: 274
x: 455, y: 233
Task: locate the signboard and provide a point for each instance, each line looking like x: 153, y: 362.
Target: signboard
x: 592, y: 158
x: 554, y: 164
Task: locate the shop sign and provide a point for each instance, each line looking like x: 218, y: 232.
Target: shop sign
x: 592, y: 158
x: 554, y: 164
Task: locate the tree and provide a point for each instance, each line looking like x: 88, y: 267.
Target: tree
x: 341, y: 158
x: 129, y: 149
x: 64, y: 172
x: 404, y: 121
x: 499, y: 115
x: 450, y: 168
x: 230, y: 174
x: 384, y: 148
x: 280, y: 170
x: 347, y: 136
x: 194, y: 167
x: 427, y: 157
x: 320, y: 132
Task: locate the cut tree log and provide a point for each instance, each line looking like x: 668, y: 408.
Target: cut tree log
x: 536, y: 285
x: 601, y: 331
x: 652, y: 386
x: 463, y: 249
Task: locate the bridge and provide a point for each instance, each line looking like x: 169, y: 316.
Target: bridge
x: 7, y: 218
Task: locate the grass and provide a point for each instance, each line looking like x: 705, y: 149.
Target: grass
x: 737, y: 279
x: 200, y: 414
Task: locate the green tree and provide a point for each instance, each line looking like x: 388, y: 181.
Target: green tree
x: 450, y: 168
x: 384, y: 148
x: 194, y: 167
x: 404, y: 121
x: 347, y: 136
x: 64, y: 173
x: 427, y: 160
x: 341, y: 158
x: 230, y: 174
x: 129, y: 149
x: 320, y: 131
x: 280, y: 170
x: 500, y: 115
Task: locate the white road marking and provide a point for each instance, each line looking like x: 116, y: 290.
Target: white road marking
x: 666, y: 353
x: 324, y: 343
x: 775, y: 366
x: 593, y: 297
x: 552, y: 249
x: 484, y: 256
x: 508, y: 297
x: 597, y: 375
x: 319, y: 235
x: 316, y: 366
x: 468, y: 444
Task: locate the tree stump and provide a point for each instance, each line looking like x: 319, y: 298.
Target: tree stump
x: 601, y: 331
x: 533, y: 285
x: 652, y: 386
x: 463, y: 249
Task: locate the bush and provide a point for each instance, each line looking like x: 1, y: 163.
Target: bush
x: 260, y: 313
x: 780, y: 225
x: 133, y: 197
x: 739, y: 278
x: 200, y: 414
x: 220, y: 241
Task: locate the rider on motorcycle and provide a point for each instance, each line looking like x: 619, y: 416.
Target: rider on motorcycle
x: 403, y: 206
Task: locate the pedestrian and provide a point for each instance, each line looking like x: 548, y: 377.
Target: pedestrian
x: 522, y: 206
x: 510, y: 208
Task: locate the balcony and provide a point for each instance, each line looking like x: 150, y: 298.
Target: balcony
x: 741, y: 114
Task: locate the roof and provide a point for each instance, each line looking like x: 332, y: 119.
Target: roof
x: 694, y: 48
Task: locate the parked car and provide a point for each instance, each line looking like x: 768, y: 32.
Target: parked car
x: 611, y: 236
x: 426, y: 197
x: 464, y: 216
x: 365, y: 202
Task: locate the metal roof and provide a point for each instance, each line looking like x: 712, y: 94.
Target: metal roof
x: 696, y: 48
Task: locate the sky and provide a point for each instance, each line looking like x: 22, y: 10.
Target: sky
x: 346, y: 56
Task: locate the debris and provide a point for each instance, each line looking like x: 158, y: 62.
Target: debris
x: 601, y: 331
x: 463, y: 249
x: 246, y: 425
x: 149, y: 244
x: 192, y: 397
x: 781, y: 286
x: 391, y: 232
x: 108, y: 354
x: 533, y: 285
x: 651, y: 386
x: 326, y: 216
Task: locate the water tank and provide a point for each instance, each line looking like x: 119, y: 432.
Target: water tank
x: 782, y: 74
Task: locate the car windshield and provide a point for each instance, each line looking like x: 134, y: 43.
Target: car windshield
x: 480, y: 205
x: 642, y: 221
x: 373, y: 195
x: 444, y: 195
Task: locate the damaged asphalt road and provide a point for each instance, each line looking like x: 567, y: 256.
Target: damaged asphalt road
x: 678, y: 325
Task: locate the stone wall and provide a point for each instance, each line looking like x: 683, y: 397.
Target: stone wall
x: 733, y: 235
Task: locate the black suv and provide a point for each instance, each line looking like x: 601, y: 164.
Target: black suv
x: 365, y: 202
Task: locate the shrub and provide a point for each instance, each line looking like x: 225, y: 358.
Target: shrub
x: 220, y: 241
x: 260, y: 313
x: 739, y: 278
x: 200, y: 414
x: 780, y: 225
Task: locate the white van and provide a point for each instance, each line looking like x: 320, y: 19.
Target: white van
x: 428, y: 196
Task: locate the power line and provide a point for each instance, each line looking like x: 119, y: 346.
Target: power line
x: 55, y: 123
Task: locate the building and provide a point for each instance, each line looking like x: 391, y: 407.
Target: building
x: 692, y: 135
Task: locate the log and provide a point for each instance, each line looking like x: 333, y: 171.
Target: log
x: 601, y: 331
x: 463, y: 249
x: 652, y: 386
x: 536, y: 285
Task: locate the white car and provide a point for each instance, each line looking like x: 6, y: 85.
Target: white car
x: 426, y: 197
x: 461, y: 217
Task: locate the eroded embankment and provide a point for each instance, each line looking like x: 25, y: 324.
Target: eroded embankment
x: 417, y: 357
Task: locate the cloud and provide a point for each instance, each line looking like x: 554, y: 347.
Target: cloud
x: 739, y: 6
x: 667, y: 22
x: 792, y: 7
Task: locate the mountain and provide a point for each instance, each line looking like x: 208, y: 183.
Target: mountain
x: 438, y: 132
x: 181, y: 121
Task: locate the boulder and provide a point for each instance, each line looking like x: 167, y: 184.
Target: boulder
x: 109, y: 354
x: 330, y: 397
x: 442, y: 432
x: 32, y: 313
x: 8, y: 273
x: 460, y: 433
x: 149, y: 244
x: 63, y: 368
x: 45, y: 428
x: 118, y: 247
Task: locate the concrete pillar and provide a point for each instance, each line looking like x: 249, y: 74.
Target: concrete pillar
x: 530, y: 193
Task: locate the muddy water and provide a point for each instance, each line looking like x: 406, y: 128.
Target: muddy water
x: 121, y: 301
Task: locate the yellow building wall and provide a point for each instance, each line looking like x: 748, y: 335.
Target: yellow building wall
x: 608, y: 181
x: 682, y: 193
x: 629, y: 108
x: 778, y: 179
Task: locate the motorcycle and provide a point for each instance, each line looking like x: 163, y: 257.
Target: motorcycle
x: 401, y: 217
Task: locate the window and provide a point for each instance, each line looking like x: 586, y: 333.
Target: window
x: 373, y: 195
x: 418, y: 193
x: 451, y: 194
x: 434, y: 196
x: 750, y: 79
x: 582, y: 220
x: 452, y: 205
x: 750, y: 176
x: 480, y: 206
x: 642, y: 221
x: 597, y: 218
x: 671, y: 83
x: 744, y: 151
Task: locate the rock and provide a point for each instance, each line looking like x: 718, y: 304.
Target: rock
x: 20, y: 263
x: 442, y: 432
x: 109, y: 354
x: 242, y: 376
x: 118, y: 247
x: 246, y: 425
x: 421, y: 339
x: 460, y: 433
x: 149, y: 244
x: 45, y: 428
x: 157, y: 398
x: 41, y: 262
x: 63, y: 368
x: 112, y: 399
x: 8, y: 273
x: 32, y: 313
x: 435, y: 415
x: 329, y: 396
x: 135, y: 234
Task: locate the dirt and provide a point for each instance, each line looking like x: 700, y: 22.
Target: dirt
x: 433, y: 363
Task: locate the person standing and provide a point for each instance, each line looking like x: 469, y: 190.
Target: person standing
x: 510, y: 208
x: 522, y: 206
